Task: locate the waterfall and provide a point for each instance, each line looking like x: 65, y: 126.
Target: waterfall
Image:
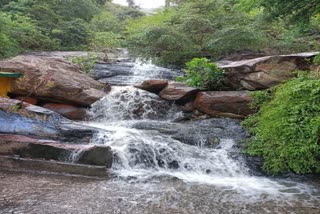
x: 148, y: 143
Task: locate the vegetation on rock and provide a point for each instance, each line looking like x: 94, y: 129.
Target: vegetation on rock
x: 202, y: 74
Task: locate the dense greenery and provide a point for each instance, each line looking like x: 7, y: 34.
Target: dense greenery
x: 219, y: 28
x: 174, y: 36
x: 286, y: 129
x: 61, y: 25
x: 202, y: 74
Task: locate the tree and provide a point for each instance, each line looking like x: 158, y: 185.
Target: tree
x: 131, y: 3
x: 297, y: 10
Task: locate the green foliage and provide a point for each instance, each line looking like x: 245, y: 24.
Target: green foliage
x: 204, y: 28
x: 259, y: 98
x: 60, y: 25
x: 316, y: 60
x: 105, y: 40
x: 202, y: 74
x: 286, y: 129
x: 86, y: 63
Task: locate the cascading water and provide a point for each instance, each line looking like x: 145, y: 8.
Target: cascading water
x: 147, y: 143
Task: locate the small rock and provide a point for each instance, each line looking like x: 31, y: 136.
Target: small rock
x: 97, y: 155
x: 179, y: 92
x: 153, y: 86
x: 29, y: 100
x: 68, y: 111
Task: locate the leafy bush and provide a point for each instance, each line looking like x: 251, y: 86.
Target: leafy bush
x: 202, y: 74
x: 286, y: 129
x: 259, y: 98
x: 316, y: 60
x: 86, y: 63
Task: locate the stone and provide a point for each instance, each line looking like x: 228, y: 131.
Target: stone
x: 179, y: 92
x: 29, y: 100
x: 97, y: 155
x: 52, y: 79
x: 14, y: 163
x: 264, y: 72
x: 153, y: 86
x: 37, y: 121
x: 233, y: 104
x: 68, y: 111
x: 31, y: 148
x: 188, y: 107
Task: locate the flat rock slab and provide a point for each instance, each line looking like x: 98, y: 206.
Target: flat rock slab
x: 52, y: 79
x: 178, y: 92
x: 27, y: 147
x: 153, y: 86
x: 24, y: 164
x: 233, y: 104
x: 264, y: 72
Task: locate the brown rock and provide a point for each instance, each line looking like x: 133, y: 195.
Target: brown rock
x: 179, y: 92
x: 68, y: 111
x: 264, y: 72
x: 153, y: 86
x: 29, y: 100
x: 52, y: 79
x: 234, y: 104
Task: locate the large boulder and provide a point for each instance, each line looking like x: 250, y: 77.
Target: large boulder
x: 153, y: 86
x: 97, y: 155
x: 233, y: 104
x: 181, y: 93
x: 264, y: 72
x: 52, y: 79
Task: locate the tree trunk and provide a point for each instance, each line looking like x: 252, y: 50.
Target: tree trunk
x: 167, y: 3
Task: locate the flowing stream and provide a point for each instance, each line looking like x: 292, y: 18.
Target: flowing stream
x: 165, y: 166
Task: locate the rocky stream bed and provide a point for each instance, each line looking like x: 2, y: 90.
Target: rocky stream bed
x: 159, y: 148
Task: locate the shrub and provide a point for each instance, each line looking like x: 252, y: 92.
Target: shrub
x: 286, y: 129
x: 259, y: 98
x: 86, y: 63
x: 202, y: 74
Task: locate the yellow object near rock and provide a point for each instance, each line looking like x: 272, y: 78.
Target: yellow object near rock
x: 5, y: 86
x: 6, y: 79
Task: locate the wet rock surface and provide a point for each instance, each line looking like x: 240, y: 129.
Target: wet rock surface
x: 130, y: 73
x: 36, y: 193
x: 198, y: 133
x: 153, y: 86
x: 37, y: 121
x: 179, y: 92
x: 96, y: 155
